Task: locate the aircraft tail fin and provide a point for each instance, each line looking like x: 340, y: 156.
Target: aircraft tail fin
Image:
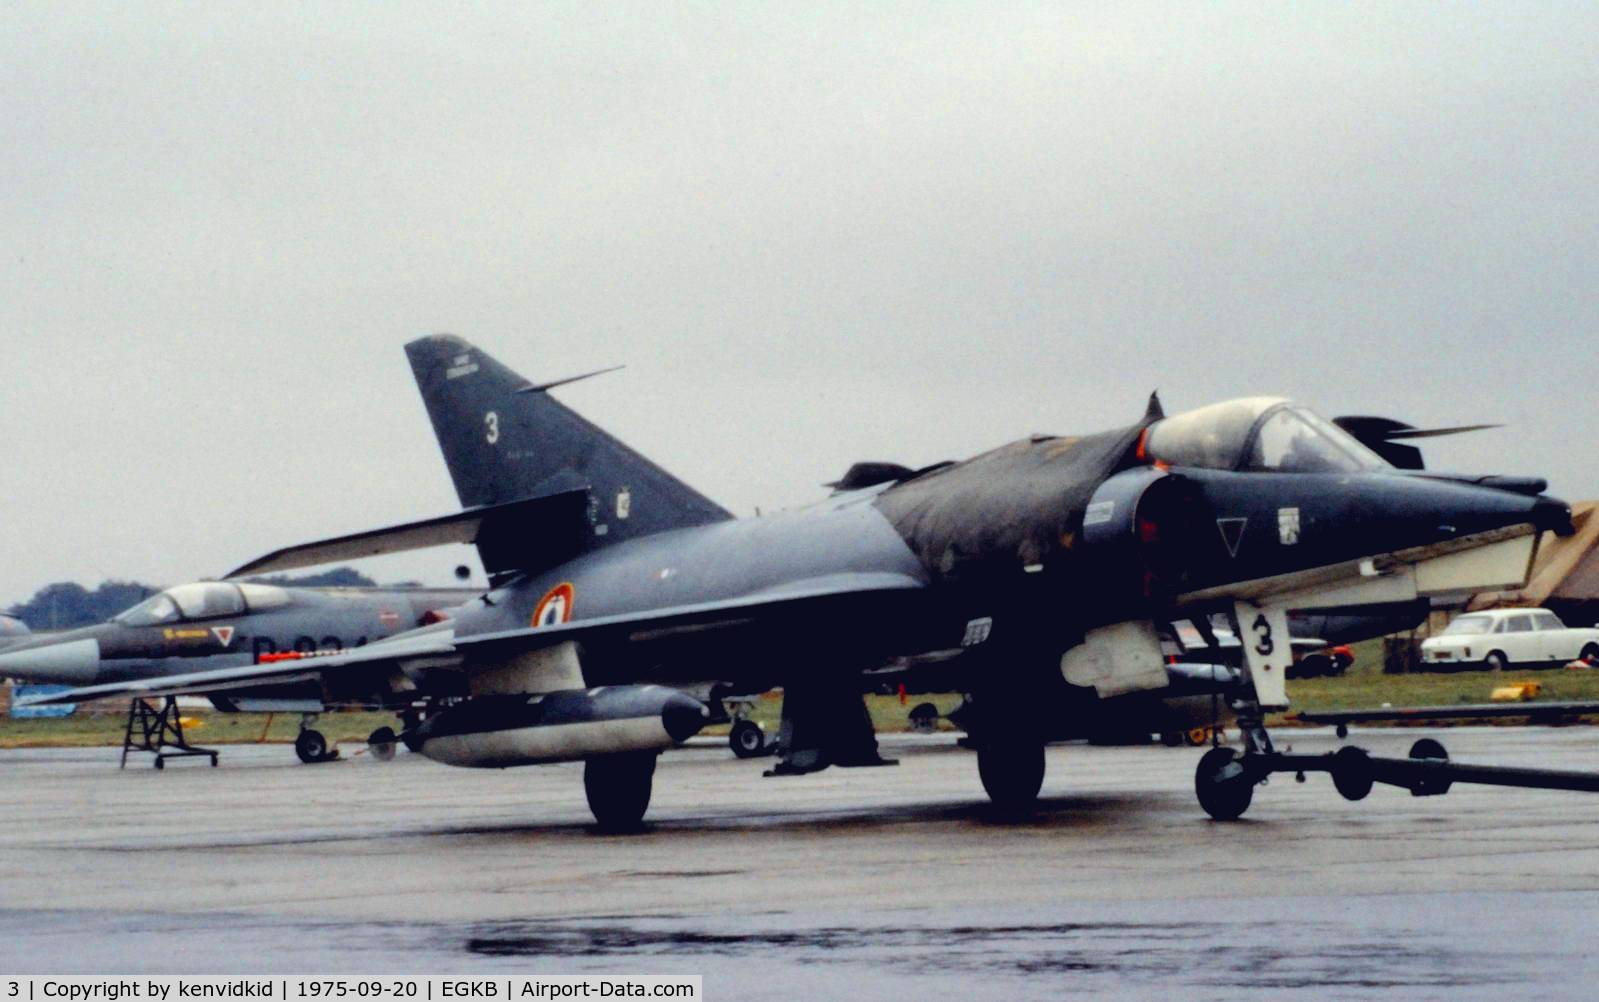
x: 505, y: 438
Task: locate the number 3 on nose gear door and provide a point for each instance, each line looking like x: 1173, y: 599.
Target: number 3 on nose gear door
x: 1266, y: 658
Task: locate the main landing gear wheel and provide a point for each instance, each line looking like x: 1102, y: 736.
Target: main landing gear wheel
x: 311, y: 746
x: 618, y: 788
x: 747, y: 739
x: 1012, y: 773
x: 1223, y: 785
x: 381, y: 743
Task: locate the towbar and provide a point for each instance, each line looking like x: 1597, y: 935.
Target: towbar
x: 1426, y: 773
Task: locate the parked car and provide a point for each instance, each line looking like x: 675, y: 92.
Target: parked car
x: 1330, y: 661
x: 1498, y: 638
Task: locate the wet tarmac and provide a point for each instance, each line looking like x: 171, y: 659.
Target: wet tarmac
x: 877, y: 883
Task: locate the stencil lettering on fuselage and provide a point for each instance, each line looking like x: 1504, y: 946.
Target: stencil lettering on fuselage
x: 1288, y: 526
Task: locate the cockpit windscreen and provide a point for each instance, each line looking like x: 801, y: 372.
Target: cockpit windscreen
x: 1259, y: 433
x: 202, y: 600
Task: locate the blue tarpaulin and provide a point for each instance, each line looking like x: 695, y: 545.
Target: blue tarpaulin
x: 30, y: 712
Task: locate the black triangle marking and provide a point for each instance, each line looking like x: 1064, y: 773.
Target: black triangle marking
x: 1232, y: 533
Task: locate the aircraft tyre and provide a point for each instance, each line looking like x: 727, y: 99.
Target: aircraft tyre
x: 381, y: 743
x: 1223, y: 785
x: 311, y: 746
x: 618, y: 788
x: 747, y: 739
x: 1012, y: 772
x: 923, y: 718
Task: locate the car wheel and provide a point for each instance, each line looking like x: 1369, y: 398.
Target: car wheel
x: 1496, y: 661
x: 1590, y: 653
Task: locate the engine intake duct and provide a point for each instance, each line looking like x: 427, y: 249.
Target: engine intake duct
x: 494, y: 732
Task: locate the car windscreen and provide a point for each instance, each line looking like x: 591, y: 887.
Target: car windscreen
x: 1468, y: 624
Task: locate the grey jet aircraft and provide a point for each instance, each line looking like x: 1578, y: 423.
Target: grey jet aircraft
x: 1039, y: 576
x: 12, y: 630
x: 211, y: 625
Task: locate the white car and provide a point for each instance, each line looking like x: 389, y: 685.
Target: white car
x: 1498, y: 638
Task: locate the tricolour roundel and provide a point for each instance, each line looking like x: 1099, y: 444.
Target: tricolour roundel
x: 555, y: 606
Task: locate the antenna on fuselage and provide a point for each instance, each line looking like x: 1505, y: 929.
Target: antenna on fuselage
x: 552, y: 384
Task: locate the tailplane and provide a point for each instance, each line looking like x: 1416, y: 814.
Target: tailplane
x: 505, y: 438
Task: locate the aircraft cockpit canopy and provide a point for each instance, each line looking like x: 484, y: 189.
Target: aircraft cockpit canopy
x: 1258, y: 433
x: 203, y: 600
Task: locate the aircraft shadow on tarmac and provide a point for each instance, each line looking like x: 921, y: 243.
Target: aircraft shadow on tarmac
x: 1062, y: 813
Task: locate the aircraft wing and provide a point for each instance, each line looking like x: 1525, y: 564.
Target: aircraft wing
x: 798, y: 600
x: 499, y: 532
x: 798, y: 604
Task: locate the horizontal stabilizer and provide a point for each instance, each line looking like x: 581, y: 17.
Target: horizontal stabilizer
x: 516, y: 535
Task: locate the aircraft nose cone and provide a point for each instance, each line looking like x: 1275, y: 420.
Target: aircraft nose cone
x: 1553, y: 515
x: 71, y: 662
x: 1465, y: 509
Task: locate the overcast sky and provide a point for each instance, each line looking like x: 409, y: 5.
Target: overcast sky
x: 814, y: 233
